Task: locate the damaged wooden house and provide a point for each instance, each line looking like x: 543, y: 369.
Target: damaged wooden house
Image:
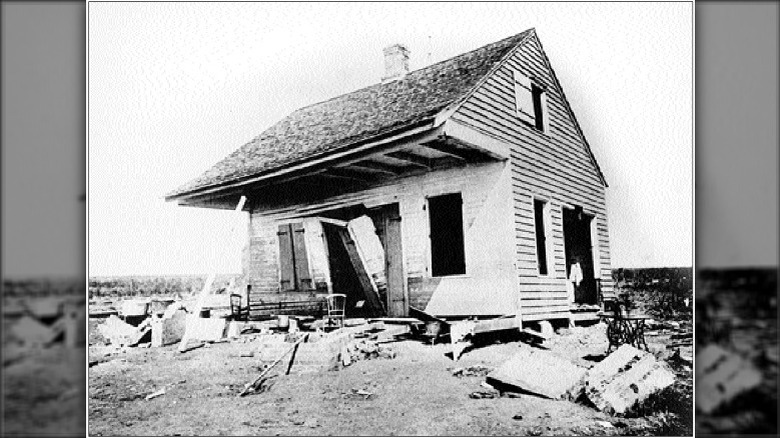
x: 463, y: 189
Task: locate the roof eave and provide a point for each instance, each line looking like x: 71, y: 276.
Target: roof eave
x: 417, y: 128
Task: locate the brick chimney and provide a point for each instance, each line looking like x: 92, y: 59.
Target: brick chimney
x: 396, y: 62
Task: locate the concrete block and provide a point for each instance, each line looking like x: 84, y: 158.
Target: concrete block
x: 46, y: 307
x: 135, y: 307
x: 32, y: 332
x: 205, y: 329
x: 721, y: 376
x: 118, y: 332
x: 539, y: 372
x: 166, y: 331
x: 625, y: 377
x: 546, y: 329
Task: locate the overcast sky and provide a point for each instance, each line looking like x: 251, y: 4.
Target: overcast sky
x: 175, y: 87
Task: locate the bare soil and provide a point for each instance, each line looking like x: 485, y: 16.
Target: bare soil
x: 415, y: 393
x: 43, y: 392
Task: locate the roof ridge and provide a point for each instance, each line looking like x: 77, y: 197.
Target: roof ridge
x: 429, y: 66
x: 316, y: 128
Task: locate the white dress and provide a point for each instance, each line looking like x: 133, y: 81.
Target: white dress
x: 575, y: 277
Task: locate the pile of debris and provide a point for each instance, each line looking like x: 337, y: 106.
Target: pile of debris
x: 363, y: 349
x: 45, y: 323
x: 623, y: 379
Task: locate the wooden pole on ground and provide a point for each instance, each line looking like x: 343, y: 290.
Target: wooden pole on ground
x: 185, y: 339
x: 252, y: 384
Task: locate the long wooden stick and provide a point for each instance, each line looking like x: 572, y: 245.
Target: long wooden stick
x: 185, y: 339
x: 265, y: 371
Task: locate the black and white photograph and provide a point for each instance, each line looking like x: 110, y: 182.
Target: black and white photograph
x: 415, y: 219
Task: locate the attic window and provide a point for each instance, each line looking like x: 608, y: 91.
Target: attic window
x: 531, y: 102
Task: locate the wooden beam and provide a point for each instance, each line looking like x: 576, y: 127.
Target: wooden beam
x: 449, y: 151
x: 379, y: 167
x: 414, y: 159
x: 340, y: 172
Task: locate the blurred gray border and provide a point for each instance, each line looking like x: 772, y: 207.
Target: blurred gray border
x: 736, y: 134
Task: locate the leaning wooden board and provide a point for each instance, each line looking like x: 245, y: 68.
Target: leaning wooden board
x: 185, y: 339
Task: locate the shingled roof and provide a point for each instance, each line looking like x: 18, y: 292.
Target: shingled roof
x: 361, y: 115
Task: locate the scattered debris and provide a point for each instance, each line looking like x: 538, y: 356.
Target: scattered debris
x: 252, y: 386
x: 471, y: 371
x: 625, y: 377
x: 364, y: 349
x: 156, y: 394
x: 360, y: 393
x: 460, y: 336
x: 539, y: 372
x: 486, y: 393
x: 31, y: 332
x: 170, y: 328
x: 722, y: 375
x: 118, y: 332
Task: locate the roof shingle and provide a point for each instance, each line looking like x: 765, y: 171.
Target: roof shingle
x: 357, y: 116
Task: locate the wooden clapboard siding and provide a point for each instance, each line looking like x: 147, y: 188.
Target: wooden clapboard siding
x: 475, y: 182
x: 555, y: 165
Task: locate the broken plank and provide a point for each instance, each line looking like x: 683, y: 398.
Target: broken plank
x: 372, y: 296
x: 506, y: 322
x: 265, y: 371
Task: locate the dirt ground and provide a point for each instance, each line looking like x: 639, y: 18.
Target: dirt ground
x: 415, y: 393
x: 43, y: 392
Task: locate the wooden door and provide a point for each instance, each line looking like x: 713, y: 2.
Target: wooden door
x: 397, y: 300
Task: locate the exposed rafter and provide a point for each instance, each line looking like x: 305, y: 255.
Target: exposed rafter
x: 414, y: 159
x: 340, y: 172
x: 450, y: 151
x: 377, y: 167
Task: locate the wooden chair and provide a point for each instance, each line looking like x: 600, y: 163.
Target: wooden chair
x: 336, y: 309
x: 238, y: 312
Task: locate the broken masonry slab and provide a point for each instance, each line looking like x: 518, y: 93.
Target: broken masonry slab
x: 539, y: 372
x: 204, y: 329
x: 625, y: 377
x: 166, y: 331
x: 32, y: 332
x: 722, y: 375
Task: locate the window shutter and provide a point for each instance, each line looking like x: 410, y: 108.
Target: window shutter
x: 545, y: 112
x: 301, y: 258
x: 548, y: 226
x: 524, y: 97
x: 594, y: 241
x: 286, y: 263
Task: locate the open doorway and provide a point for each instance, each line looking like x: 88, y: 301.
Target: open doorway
x: 372, y: 288
x: 578, y: 248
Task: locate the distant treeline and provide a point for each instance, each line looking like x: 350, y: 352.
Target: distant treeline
x: 744, y: 279
x: 43, y: 287
x: 681, y: 278
x: 145, y: 286
x: 662, y: 292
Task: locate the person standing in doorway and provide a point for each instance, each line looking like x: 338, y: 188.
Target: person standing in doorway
x: 575, y: 277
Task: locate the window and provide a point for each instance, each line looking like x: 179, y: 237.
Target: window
x: 542, y: 225
x: 293, y: 264
x: 531, y: 102
x: 445, y: 214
